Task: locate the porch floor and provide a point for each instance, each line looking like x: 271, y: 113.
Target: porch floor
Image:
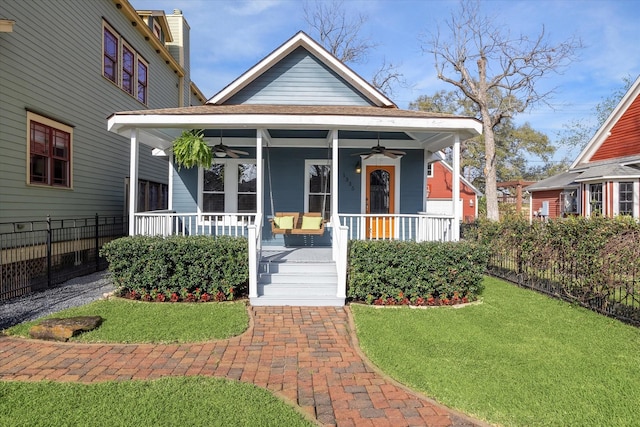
x: 296, y: 254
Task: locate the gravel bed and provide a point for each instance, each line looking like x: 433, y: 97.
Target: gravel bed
x: 72, y: 293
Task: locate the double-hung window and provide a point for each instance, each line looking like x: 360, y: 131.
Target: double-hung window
x: 229, y: 186
x: 49, y: 152
x: 123, y: 65
x: 128, y: 69
x: 317, y: 187
x: 625, y: 198
x: 110, y: 54
x: 142, y: 81
x: 595, y: 198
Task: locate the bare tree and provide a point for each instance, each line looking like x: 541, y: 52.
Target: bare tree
x: 338, y: 32
x: 341, y: 34
x: 479, y: 58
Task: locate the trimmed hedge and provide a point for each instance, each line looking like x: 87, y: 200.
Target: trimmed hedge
x: 590, y: 260
x: 410, y: 272
x: 188, y: 268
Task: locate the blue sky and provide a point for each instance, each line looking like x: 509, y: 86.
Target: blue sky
x: 230, y: 36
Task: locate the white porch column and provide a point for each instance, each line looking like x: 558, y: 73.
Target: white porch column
x: 457, y: 214
x: 133, y: 180
x: 260, y: 135
x: 170, y: 190
x: 334, y: 175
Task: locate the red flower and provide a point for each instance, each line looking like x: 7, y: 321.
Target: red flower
x: 160, y: 297
x: 174, y: 297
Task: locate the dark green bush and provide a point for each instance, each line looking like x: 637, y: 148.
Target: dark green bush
x: 594, y: 261
x: 392, y: 269
x: 184, y: 267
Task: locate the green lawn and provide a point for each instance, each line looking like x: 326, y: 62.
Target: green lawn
x: 517, y: 359
x: 127, y: 321
x: 192, y: 401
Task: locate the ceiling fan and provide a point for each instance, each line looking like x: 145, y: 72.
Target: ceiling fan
x: 221, y: 150
x: 379, y: 149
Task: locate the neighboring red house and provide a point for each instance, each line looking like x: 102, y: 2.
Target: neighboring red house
x: 440, y: 189
x: 605, y: 178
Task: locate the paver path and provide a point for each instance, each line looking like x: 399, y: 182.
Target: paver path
x: 305, y: 354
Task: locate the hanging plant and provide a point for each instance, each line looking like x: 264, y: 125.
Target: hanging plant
x: 190, y: 149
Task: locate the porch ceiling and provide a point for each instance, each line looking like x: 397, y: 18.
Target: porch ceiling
x: 162, y: 139
x: 298, y: 125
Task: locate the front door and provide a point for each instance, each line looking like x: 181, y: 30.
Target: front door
x: 380, y: 201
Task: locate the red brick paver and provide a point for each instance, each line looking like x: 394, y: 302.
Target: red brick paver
x: 306, y: 355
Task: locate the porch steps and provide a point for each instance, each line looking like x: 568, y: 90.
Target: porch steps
x: 297, y: 283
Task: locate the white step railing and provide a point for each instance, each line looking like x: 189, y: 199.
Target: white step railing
x: 417, y: 227
x: 255, y: 249
x: 340, y: 243
x: 170, y: 223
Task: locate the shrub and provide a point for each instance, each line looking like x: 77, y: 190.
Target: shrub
x: 179, y: 267
x: 594, y: 261
x: 414, y: 272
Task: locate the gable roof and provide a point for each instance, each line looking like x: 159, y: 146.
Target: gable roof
x: 556, y: 182
x: 604, y: 131
x: 301, y: 39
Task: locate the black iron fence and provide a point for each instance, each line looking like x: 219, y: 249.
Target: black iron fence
x: 606, y: 285
x: 36, y: 255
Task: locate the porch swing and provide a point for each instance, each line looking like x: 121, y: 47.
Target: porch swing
x: 296, y: 223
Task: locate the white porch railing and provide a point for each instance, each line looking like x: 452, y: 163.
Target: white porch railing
x: 169, y: 223
x: 418, y: 227
x: 340, y: 248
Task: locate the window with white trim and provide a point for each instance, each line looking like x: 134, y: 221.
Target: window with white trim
x: 123, y: 65
x: 49, y: 151
x: 229, y: 186
x: 430, y: 169
x: 317, y: 187
x: 625, y: 198
x: 595, y: 199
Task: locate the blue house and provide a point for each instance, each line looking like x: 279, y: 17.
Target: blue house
x: 300, y: 133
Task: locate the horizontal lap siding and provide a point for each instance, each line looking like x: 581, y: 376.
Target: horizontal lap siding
x: 625, y: 136
x: 299, y: 79
x: 51, y: 64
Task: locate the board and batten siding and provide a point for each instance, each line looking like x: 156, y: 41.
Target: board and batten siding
x: 299, y: 79
x: 51, y: 64
x: 551, y: 196
x: 625, y: 136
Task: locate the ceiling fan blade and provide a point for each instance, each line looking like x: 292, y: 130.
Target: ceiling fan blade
x: 389, y: 154
x: 361, y: 154
x: 366, y: 157
x: 397, y: 152
x: 240, y: 152
x: 230, y: 153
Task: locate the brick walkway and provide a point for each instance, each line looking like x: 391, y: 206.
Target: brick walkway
x: 306, y: 355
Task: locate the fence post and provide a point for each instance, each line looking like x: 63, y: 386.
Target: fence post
x: 49, y: 245
x: 97, y: 241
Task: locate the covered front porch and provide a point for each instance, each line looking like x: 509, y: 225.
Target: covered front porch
x: 361, y: 193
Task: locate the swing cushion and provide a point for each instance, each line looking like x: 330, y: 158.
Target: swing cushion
x: 284, y: 222
x: 311, y: 222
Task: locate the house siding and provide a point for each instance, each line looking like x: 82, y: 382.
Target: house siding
x: 625, y: 136
x: 552, y: 196
x: 67, y: 37
x: 288, y: 175
x: 441, y: 189
x: 299, y: 79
